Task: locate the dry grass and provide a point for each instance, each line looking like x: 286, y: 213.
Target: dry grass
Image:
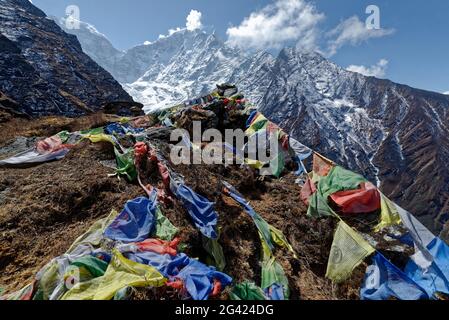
x: 43, y: 209
x: 48, y: 126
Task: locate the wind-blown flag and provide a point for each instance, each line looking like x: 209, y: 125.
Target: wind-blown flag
x: 348, y: 250
x: 384, y: 281
x: 422, y: 238
x: 429, y: 266
x: 434, y: 278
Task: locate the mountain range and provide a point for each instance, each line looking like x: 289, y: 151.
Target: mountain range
x: 177, y: 67
x: 395, y: 135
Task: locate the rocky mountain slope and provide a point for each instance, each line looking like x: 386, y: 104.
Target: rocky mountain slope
x: 395, y: 135
x: 44, y: 70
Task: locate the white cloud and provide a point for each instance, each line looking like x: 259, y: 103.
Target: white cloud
x: 276, y: 24
x: 194, y: 20
x: 378, y: 70
x: 446, y: 93
x: 171, y: 32
x: 353, y: 31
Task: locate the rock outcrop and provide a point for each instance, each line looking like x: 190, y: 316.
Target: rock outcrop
x: 44, y: 69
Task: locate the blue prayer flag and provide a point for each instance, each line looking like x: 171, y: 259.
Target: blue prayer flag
x: 384, y: 281
x: 134, y: 223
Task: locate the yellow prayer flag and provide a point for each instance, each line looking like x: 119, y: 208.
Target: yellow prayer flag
x: 121, y: 273
x: 348, y: 250
x: 95, y: 138
x: 389, y: 215
x: 259, y: 123
x: 94, y: 235
x: 279, y: 238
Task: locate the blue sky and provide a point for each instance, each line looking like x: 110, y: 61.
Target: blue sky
x: 411, y: 48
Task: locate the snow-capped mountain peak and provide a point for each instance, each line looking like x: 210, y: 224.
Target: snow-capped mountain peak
x: 176, y: 67
x: 369, y: 125
x: 93, y: 42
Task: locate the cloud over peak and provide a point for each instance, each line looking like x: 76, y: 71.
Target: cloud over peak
x: 290, y: 23
x: 194, y: 20
x: 297, y: 22
x: 378, y: 70
x: 276, y: 24
x: 353, y: 31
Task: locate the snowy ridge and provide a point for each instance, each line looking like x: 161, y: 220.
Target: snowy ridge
x: 177, y: 67
x: 93, y: 42
x: 385, y: 131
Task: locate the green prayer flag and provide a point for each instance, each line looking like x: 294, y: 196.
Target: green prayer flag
x: 94, y: 131
x: 164, y: 230
x: 247, y: 291
x: 125, y: 164
x: 338, y: 179
x: 92, y: 266
x: 64, y: 136
x: 264, y: 230
x: 277, y: 164
x: 215, y: 250
x: 273, y: 273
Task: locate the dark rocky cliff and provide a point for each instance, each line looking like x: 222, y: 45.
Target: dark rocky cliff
x: 44, y: 70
